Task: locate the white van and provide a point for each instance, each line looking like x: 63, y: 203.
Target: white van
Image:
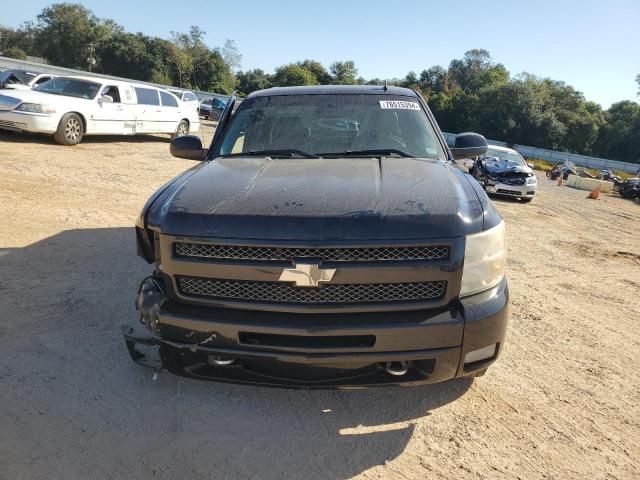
x: 71, y: 107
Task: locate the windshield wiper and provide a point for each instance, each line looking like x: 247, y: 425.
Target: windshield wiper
x: 368, y: 153
x: 287, y: 152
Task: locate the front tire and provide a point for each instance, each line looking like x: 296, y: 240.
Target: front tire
x: 70, y: 130
x: 182, y: 129
x: 526, y: 199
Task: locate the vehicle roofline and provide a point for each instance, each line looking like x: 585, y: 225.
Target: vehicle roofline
x: 333, y: 90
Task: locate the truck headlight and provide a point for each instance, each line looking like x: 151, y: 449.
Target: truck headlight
x: 532, y: 180
x: 484, y: 260
x: 36, y: 108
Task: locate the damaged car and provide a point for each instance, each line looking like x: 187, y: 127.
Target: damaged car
x: 502, y: 171
x: 325, y: 239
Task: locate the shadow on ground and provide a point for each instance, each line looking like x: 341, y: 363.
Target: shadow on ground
x: 74, y: 406
x: 19, y: 137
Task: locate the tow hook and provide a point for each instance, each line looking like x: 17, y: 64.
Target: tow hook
x: 220, y: 361
x: 396, y: 368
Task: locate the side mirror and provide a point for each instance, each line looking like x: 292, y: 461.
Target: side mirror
x: 106, y: 99
x: 469, y: 145
x: 531, y: 166
x: 187, y: 146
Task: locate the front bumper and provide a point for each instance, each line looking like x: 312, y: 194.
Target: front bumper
x: 321, y: 350
x: 25, y: 122
x: 518, y: 191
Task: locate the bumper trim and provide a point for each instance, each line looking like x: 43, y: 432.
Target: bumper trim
x: 134, y: 338
x: 341, y: 370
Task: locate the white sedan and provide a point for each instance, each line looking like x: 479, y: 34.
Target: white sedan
x: 502, y: 171
x: 71, y: 107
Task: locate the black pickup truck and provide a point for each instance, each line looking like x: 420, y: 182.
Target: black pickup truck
x: 325, y: 239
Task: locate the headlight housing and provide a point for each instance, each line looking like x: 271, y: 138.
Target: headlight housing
x: 145, y: 241
x: 532, y: 180
x: 36, y: 108
x: 484, y: 260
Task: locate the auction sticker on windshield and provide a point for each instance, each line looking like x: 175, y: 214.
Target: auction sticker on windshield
x: 399, y: 105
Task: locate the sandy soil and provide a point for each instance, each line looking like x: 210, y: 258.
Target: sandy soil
x: 562, y: 402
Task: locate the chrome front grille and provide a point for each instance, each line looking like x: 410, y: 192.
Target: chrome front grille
x: 326, y: 294
x: 207, y: 251
x: 10, y: 124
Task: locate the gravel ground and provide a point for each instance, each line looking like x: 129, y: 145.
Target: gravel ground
x: 562, y: 402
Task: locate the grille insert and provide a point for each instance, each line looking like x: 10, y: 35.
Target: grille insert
x: 508, y: 192
x: 286, y: 293
x: 326, y: 254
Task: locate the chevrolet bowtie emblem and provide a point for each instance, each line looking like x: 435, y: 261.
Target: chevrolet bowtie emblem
x: 307, y: 274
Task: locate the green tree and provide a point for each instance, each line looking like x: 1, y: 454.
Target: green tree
x: 344, y: 73
x: 317, y: 69
x: 292, y: 75
x: 129, y: 55
x: 196, y: 65
x: 15, y: 52
x: 512, y: 112
x: 213, y: 74
x: 477, y: 70
x: 619, y: 138
x: 252, y: 80
x: 64, y: 31
x: 434, y: 80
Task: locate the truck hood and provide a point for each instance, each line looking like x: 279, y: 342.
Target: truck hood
x: 319, y: 200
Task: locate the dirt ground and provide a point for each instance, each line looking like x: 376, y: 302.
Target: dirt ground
x: 562, y: 402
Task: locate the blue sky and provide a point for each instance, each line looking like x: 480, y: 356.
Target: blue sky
x: 594, y: 46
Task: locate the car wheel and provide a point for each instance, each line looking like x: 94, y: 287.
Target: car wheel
x: 182, y: 130
x: 526, y: 199
x: 70, y: 130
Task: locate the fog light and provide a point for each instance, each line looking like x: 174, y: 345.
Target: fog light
x: 480, y: 354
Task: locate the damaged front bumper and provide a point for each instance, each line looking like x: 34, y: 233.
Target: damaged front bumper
x: 509, y: 190
x: 319, y: 350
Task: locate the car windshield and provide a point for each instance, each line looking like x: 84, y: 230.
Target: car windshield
x: 70, y: 87
x: 510, y: 157
x: 332, y: 125
x: 11, y: 76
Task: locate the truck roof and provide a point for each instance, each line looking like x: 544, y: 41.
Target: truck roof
x: 335, y: 90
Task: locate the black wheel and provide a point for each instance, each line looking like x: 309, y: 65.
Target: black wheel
x: 70, y: 130
x: 182, y: 130
x: 526, y: 199
x: 214, y: 115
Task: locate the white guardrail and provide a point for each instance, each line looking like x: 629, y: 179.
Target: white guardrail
x: 561, y: 157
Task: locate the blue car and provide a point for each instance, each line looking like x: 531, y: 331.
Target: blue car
x: 211, y: 108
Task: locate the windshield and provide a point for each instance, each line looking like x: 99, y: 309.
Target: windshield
x: 332, y: 125
x: 70, y: 87
x: 511, y: 157
x: 12, y: 76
